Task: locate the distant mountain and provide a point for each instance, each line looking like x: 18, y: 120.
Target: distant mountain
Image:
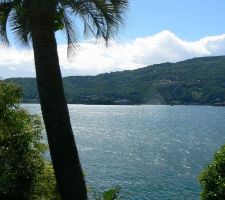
x: 199, y: 81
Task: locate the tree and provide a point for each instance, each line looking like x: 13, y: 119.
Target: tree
x: 35, y: 21
x: 212, y: 178
x: 24, y: 173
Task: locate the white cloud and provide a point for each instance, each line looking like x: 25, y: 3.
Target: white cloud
x: 92, y: 59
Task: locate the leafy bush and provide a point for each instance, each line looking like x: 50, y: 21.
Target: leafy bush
x: 24, y: 174
x: 110, y: 194
x: 212, y: 179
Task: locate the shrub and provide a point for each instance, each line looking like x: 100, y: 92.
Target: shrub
x: 110, y: 194
x: 24, y: 174
x: 212, y: 179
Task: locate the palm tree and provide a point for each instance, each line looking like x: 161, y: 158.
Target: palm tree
x: 35, y: 22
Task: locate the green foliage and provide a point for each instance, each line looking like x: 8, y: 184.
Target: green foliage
x: 195, y: 81
x: 111, y: 194
x: 45, y: 188
x: 23, y: 172
x: 212, y: 179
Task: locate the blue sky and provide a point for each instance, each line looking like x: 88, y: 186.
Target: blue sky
x: 188, y: 19
x: 155, y: 31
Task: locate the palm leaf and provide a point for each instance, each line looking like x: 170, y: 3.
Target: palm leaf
x: 71, y: 34
x: 100, y: 17
x: 20, y: 26
x: 5, y: 9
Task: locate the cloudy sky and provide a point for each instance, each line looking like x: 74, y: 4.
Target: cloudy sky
x: 156, y: 31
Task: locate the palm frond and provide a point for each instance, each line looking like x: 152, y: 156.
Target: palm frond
x: 85, y: 10
x: 5, y: 9
x: 113, y: 12
x: 19, y: 23
x: 120, y: 8
x: 100, y: 17
x: 106, y: 11
x: 71, y: 34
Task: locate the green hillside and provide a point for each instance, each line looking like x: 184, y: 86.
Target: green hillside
x: 194, y: 81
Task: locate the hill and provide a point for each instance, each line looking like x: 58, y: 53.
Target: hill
x: 199, y: 81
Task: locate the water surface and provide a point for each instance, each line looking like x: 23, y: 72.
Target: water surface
x: 152, y: 152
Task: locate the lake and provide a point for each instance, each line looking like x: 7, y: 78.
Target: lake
x: 152, y: 152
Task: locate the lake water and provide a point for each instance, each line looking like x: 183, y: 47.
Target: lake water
x: 152, y: 152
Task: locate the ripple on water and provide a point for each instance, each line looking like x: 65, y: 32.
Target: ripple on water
x: 152, y: 152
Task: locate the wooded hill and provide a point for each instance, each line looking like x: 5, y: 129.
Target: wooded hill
x: 199, y: 81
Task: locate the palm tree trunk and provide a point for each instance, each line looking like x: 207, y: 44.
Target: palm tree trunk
x: 61, y: 142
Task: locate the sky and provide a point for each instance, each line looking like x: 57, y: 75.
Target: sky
x: 155, y: 31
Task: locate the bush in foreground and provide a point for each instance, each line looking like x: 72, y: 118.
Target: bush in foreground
x: 110, y: 194
x: 212, y: 179
x: 24, y: 174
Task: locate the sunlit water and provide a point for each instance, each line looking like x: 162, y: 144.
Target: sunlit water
x: 152, y: 152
